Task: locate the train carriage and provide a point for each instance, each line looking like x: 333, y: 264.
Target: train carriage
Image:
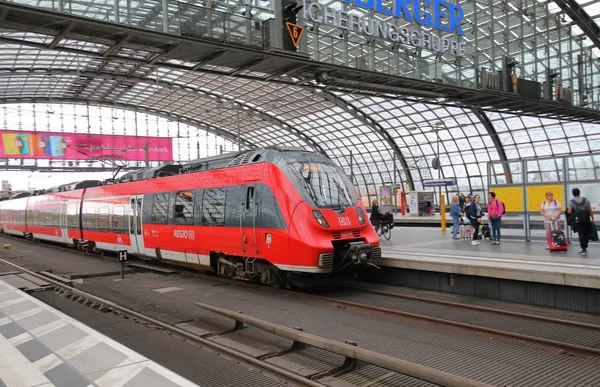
x: 271, y: 216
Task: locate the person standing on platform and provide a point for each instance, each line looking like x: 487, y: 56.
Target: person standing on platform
x: 455, y: 213
x: 375, y: 217
x: 465, y: 206
x: 475, y: 218
x: 461, y: 202
x: 551, y: 211
x: 581, y: 217
x: 494, y: 212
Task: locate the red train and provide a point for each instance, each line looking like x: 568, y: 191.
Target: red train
x: 270, y: 215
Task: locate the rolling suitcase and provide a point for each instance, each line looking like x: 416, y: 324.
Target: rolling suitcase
x: 557, y: 240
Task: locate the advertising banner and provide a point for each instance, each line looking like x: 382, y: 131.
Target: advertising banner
x: 385, y: 196
x: 512, y: 197
x: 74, y: 146
x: 537, y: 194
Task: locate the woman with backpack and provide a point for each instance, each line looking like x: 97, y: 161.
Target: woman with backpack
x: 495, y: 211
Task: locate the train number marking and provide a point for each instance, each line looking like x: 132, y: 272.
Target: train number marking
x: 184, y: 234
x: 344, y: 221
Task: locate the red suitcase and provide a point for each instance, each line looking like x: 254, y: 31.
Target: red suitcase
x: 557, y: 240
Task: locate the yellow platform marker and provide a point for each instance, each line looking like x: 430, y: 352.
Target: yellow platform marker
x: 7, y: 246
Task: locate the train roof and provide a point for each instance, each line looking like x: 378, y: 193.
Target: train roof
x: 232, y: 159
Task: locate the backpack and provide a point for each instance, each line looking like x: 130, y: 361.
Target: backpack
x: 502, y: 208
x: 581, y: 211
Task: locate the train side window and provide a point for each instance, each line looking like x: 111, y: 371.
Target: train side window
x: 160, y: 208
x: 249, y: 198
x: 72, y: 218
x: 55, y: 217
x: 147, y: 209
x: 213, y: 207
x: 103, y: 219
x: 184, y: 207
x: 90, y: 218
x: 118, y: 216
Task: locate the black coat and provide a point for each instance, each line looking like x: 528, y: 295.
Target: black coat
x: 473, y: 213
x: 375, y: 214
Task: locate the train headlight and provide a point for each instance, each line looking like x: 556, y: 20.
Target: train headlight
x: 319, y: 217
x: 361, y: 215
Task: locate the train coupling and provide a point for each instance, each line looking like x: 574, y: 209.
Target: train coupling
x: 362, y: 253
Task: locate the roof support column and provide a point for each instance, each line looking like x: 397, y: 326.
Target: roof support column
x: 165, y: 8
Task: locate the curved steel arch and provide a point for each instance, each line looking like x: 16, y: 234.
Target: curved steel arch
x: 485, y: 121
x: 129, y: 107
x: 171, y: 85
x: 369, y: 121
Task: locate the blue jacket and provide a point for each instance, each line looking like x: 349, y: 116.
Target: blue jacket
x: 455, y: 210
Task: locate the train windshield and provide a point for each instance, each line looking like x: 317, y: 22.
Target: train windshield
x: 325, y: 183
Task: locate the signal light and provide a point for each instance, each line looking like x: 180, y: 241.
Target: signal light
x: 290, y: 11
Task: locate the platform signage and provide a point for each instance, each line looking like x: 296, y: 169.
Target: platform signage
x: 439, y: 15
x: 439, y: 183
x: 295, y: 32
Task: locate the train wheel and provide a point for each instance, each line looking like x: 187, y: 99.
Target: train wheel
x: 280, y: 280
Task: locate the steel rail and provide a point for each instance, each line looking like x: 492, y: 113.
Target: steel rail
x: 350, y: 351
x: 477, y: 308
x: 537, y: 340
x: 285, y: 374
x: 571, y: 347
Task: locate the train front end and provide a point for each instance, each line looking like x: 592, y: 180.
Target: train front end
x: 329, y: 230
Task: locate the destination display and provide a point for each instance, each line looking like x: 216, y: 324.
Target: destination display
x: 75, y: 146
x: 439, y: 183
x: 440, y: 15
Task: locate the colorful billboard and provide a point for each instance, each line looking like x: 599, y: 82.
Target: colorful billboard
x: 74, y: 146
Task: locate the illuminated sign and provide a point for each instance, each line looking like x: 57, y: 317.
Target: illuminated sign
x: 80, y: 146
x: 437, y: 14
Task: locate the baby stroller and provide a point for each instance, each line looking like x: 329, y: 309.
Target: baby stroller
x: 465, y: 228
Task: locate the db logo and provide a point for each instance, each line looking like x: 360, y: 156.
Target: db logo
x: 344, y: 221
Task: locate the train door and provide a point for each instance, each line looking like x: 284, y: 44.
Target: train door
x: 64, y: 226
x: 248, y: 232
x: 135, y: 225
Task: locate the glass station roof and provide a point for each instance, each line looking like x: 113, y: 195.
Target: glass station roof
x: 377, y: 140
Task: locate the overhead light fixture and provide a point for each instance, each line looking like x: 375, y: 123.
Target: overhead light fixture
x: 322, y: 78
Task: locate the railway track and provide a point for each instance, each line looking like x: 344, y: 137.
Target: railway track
x: 348, y: 356
x: 514, y: 325
x: 573, y: 336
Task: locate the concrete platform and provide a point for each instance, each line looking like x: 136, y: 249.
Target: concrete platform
x: 40, y: 346
x: 429, y: 249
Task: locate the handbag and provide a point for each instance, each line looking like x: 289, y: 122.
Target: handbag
x: 593, y: 232
x: 494, y: 217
